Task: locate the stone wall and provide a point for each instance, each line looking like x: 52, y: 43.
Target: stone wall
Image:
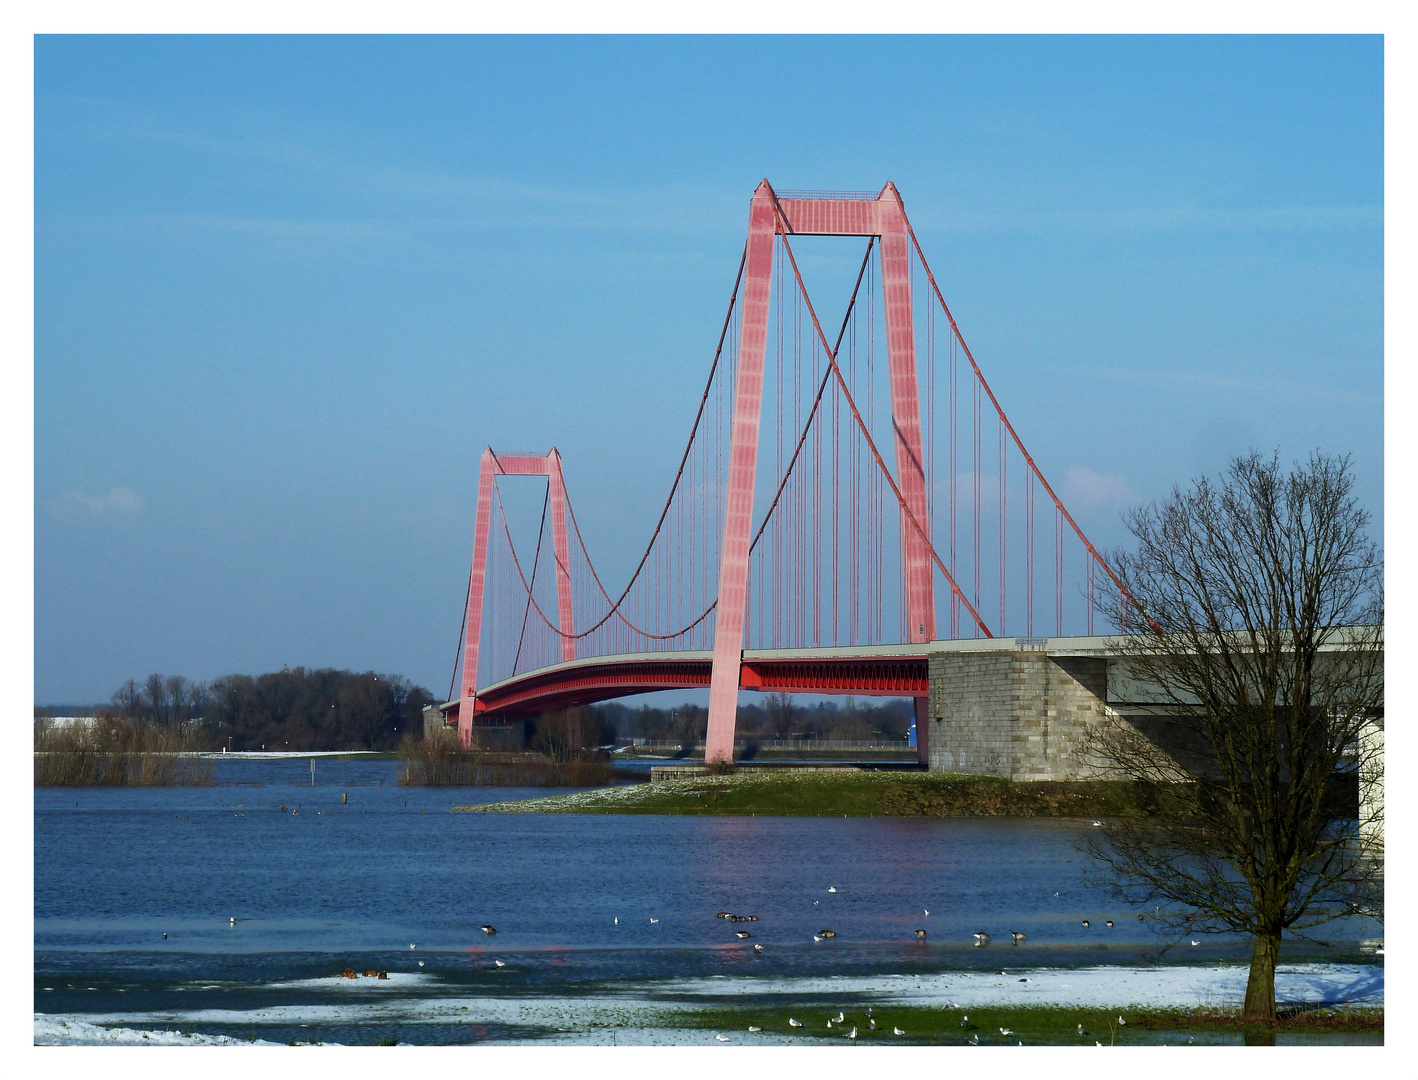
x: 1017, y: 713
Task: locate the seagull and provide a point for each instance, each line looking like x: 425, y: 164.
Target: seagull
x: 1018, y: 937
x: 742, y: 934
x: 832, y: 888
x: 794, y: 1023
x: 852, y: 1034
x: 617, y: 920
x: 499, y: 963
x: 758, y: 948
x: 722, y: 1038
x: 841, y: 1016
x: 830, y: 1022
x: 1097, y: 824
x: 815, y: 937
x: 814, y: 903
x: 926, y: 910
x: 486, y: 929
x: 897, y: 1031
x: 1005, y: 1031
x: 233, y: 920
x: 415, y: 946
x: 1081, y: 1031
x: 974, y: 1040
x: 871, y: 1024
x: 752, y: 1028
x: 965, y: 1021
x: 420, y: 963
x: 868, y: 1010
x: 981, y: 938
x: 1085, y: 924
x: 1189, y: 939
x: 164, y: 937
x: 1108, y: 922
x: 920, y: 935
x: 654, y: 920
x: 1121, y: 1021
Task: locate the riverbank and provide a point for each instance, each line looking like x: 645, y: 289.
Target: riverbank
x: 1322, y: 1004
x: 845, y: 793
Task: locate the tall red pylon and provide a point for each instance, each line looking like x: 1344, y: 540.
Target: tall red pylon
x: 883, y: 217
x: 495, y: 465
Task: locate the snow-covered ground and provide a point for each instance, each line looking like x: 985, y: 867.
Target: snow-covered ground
x: 70, y: 1031
x: 642, y: 1015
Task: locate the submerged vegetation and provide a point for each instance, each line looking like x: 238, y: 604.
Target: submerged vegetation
x: 837, y: 793
x: 112, y: 752
x: 438, y: 762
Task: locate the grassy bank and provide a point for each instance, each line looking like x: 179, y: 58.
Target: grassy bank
x: 1033, y: 1025
x: 438, y: 762
x: 853, y: 794
x: 116, y: 753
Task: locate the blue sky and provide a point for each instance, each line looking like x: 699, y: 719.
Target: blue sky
x: 287, y: 289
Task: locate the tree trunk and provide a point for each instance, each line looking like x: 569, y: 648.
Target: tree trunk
x: 1260, y: 986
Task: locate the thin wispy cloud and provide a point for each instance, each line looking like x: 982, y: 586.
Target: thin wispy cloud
x: 119, y: 502
x: 1164, y: 219
x: 1089, y: 490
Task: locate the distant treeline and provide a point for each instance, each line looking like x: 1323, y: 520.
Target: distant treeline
x: 777, y: 717
x: 291, y: 709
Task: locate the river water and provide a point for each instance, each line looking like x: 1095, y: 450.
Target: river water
x: 596, y: 916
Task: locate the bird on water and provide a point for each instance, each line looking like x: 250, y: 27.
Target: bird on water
x: 485, y: 928
x: 758, y: 948
x: 981, y: 938
x: 920, y: 935
x: 1085, y: 924
x: 1018, y: 937
x: 1108, y: 922
x: 742, y: 934
x: 832, y: 888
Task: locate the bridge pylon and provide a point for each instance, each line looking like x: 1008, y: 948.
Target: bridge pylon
x: 769, y: 215
x: 494, y: 465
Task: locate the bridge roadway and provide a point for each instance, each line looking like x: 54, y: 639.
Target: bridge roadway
x: 860, y: 670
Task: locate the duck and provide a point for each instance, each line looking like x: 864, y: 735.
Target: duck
x: 1018, y: 937
x: 741, y: 934
x: 920, y: 935
x: 486, y: 928
x: 1108, y: 922
x: 981, y: 938
x: 1085, y: 924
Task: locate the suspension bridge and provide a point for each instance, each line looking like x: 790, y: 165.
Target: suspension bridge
x: 851, y: 500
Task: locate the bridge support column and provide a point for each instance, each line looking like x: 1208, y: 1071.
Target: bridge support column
x: 491, y: 467
x: 743, y: 464
x: 916, y: 564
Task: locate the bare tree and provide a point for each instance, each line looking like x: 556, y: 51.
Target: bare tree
x: 1256, y: 632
